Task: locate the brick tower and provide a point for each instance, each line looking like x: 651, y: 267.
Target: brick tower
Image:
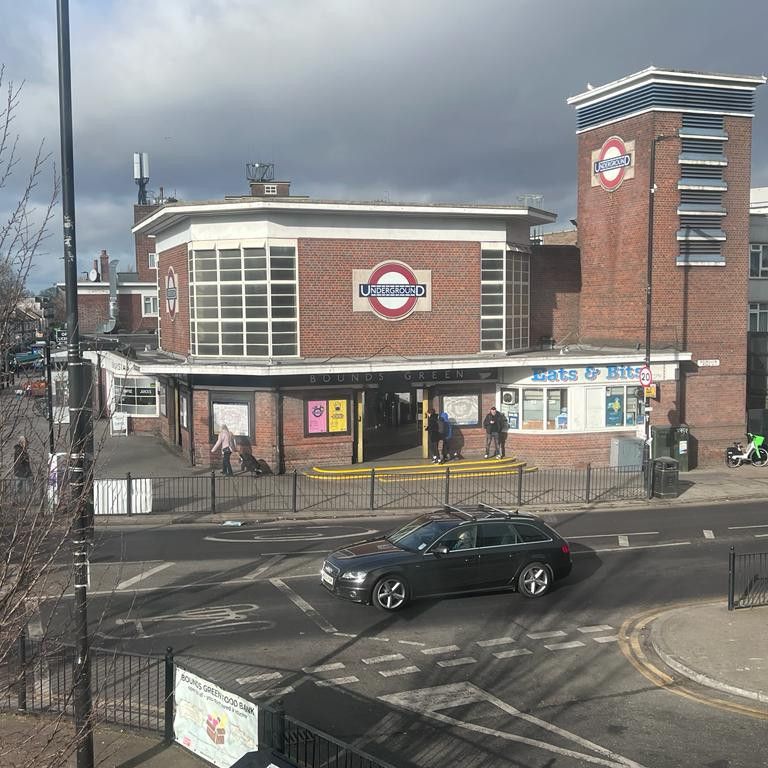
x: 699, y: 128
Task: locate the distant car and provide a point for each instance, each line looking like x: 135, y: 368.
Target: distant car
x: 449, y: 551
x: 30, y: 357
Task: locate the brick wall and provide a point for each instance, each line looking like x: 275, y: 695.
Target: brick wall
x: 174, y: 332
x: 555, y: 293
x: 329, y: 327
x: 93, y: 311
x: 144, y: 245
x: 129, y: 308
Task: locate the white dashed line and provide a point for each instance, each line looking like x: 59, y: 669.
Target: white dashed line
x: 323, y: 668
x: 403, y: 671
x: 457, y: 662
x: 495, y: 641
x: 564, y: 646
x: 744, y: 527
x: 623, y: 541
x: 344, y: 634
x: 709, y: 534
x: 544, y: 635
x: 151, y: 572
x: 304, y: 606
x: 642, y: 546
x: 259, y: 678
x: 761, y: 535
x: 382, y: 659
x: 611, y: 535
x: 272, y: 692
x: 264, y: 567
x: 410, y: 642
x: 606, y: 639
x: 337, y: 681
x: 511, y: 654
x: 595, y: 628
x: 443, y: 649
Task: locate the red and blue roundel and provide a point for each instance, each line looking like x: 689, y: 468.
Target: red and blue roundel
x: 392, y: 290
x: 612, y: 162
x: 171, y: 293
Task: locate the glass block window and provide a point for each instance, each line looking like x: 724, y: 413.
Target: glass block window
x: 244, y: 302
x: 505, y: 300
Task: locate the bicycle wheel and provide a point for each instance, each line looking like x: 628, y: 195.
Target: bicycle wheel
x: 732, y: 461
x: 760, y: 457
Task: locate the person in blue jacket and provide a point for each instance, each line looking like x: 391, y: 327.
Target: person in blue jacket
x: 446, y: 434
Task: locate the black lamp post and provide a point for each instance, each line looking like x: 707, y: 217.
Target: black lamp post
x: 649, y: 303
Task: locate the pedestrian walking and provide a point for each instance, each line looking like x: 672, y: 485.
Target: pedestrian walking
x: 503, y: 434
x: 433, y: 435
x: 446, y: 435
x: 492, y: 424
x: 226, y: 442
x: 22, y: 467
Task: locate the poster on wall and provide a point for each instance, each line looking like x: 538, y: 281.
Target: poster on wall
x: 183, y: 405
x: 462, y: 409
x: 236, y: 416
x: 614, y: 411
x: 213, y: 723
x: 317, y: 417
x: 337, y: 415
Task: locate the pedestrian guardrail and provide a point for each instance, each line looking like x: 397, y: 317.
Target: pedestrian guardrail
x: 747, y: 579
x: 297, y: 492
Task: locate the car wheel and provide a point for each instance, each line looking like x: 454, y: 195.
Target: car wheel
x: 390, y: 593
x: 534, y: 580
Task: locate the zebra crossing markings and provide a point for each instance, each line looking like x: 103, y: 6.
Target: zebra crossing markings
x: 394, y: 672
x: 336, y: 681
x: 456, y: 662
x: 564, y: 646
x: 512, y: 653
x: 440, y: 650
x: 494, y: 641
x: 382, y: 659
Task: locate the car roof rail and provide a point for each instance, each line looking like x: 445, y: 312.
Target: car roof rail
x: 497, y: 511
x: 459, y: 511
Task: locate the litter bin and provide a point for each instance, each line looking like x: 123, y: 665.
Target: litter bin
x: 666, y: 473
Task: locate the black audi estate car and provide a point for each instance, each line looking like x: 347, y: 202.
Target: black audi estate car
x: 450, y: 551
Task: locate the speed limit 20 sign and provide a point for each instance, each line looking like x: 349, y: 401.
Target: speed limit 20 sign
x: 646, y: 378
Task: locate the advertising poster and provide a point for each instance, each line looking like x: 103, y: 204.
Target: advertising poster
x: 614, y: 411
x: 317, y: 418
x: 217, y: 725
x: 462, y: 409
x: 337, y: 415
x: 235, y: 415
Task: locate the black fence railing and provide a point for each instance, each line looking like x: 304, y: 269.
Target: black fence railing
x: 374, y: 490
x: 747, y: 579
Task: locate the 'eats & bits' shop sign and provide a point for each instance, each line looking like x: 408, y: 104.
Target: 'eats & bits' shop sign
x: 591, y: 373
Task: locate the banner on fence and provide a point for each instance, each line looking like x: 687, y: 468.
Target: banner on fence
x: 110, y: 497
x: 213, y: 723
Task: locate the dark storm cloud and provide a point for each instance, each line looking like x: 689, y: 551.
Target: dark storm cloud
x: 357, y: 100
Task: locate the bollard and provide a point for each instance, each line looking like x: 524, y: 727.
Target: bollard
x: 169, y: 701
x: 213, y: 492
x: 372, y: 499
x: 589, y: 483
x: 520, y: 485
x: 22, y: 678
x: 731, y: 578
x: 447, y: 485
x: 295, y: 492
x: 128, y: 493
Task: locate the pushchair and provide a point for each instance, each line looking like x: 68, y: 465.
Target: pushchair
x: 249, y: 464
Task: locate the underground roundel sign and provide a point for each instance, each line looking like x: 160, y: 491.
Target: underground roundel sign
x: 171, y: 293
x: 392, y: 290
x: 613, y: 163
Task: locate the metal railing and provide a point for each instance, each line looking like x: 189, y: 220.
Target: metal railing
x: 747, y: 579
x: 381, y: 490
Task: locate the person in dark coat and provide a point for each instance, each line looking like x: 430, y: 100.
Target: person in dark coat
x: 22, y: 467
x: 446, y: 433
x: 433, y: 435
x: 492, y: 424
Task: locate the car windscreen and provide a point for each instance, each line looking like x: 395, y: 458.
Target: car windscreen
x: 420, y: 533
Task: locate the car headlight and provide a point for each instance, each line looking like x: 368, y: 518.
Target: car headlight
x: 354, y: 575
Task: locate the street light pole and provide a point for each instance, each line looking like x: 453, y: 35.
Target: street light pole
x: 79, y: 491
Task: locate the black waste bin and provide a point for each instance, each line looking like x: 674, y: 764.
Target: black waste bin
x: 666, y: 473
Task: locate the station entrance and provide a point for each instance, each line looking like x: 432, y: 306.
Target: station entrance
x: 391, y: 424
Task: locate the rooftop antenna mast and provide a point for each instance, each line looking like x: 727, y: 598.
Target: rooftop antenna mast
x: 141, y: 174
x: 260, y: 171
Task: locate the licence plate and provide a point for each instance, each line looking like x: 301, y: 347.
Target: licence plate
x: 326, y: 578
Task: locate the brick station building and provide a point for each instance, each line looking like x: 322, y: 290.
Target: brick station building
x: 321, y: 331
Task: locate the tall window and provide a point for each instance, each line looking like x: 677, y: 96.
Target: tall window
x: 504, y: 305
x: 149, y: 306
x: 152, y: 260
x: 244, y: 302
x: 758, y: 260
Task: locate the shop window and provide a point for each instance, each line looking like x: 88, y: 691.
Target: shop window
x: 533, y: 408
x: 758, y: 260
x: 557, y: 409
x: 184, y: 411
x: 326, y: 417
x: 162, y: 402
x: 135, y: 395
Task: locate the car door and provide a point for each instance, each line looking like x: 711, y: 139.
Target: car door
x: 535, y: 544
x: 499, y: 553
x: 453, y: 571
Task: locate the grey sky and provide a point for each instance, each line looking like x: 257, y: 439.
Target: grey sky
x: 351, y: 99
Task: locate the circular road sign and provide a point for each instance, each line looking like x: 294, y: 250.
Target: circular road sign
x: 612, y: 163
x: 646, y: 379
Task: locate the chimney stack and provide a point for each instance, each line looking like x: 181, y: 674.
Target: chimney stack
x: 104, y: 271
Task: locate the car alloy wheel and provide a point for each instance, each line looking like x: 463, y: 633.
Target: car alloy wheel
x: 390, y: 593
x: 535, y: 580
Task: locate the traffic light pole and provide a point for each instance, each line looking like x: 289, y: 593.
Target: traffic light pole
x: 79, y: 491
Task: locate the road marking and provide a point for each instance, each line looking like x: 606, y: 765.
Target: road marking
x: 512, y: 654
x: 495, y: 641
x: 543, y: 635
x: 429, y: 701
x: 304, y: 606
x: 272, y: 692
x: 248, y: 538
x: 709, y: 534
x: 403, y: 671
x: 151, y: 572
x: 268, y: 564
x: 382, y: 659
x: 761, y: 535
x: 441, y: 649
x: 642, y: 546
x: 744, y: 527
x: 323, y: 668
x: 410, y: 642
x: 606, y: 639
x: 612, y: 535
x: 457, y: 662
x: 258, y: 678
x: 344, y: 634
x: 564, y: 646
x: 623, y: 541
x: 337, y: 681
x: 595, y: 628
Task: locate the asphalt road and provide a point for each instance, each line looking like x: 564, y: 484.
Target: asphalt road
x: 491, y: 680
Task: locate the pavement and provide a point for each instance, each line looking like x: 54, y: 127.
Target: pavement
x: 699, y: 650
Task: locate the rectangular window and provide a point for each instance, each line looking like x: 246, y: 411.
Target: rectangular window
x: 270, y: 189
x: 149, y: 306
x: 758, y: 317
x: 136, y: 396
x: 152, y: 260
x: 533, y: 409
x: 492, y: 300
x: 758, y: 260
x: 557, y: 409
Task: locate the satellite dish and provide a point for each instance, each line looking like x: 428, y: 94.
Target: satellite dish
x: 93, y: 276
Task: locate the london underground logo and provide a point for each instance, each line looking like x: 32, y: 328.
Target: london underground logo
x: 612, y: 163
x: 392, y: 290
x: 171, y: 293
